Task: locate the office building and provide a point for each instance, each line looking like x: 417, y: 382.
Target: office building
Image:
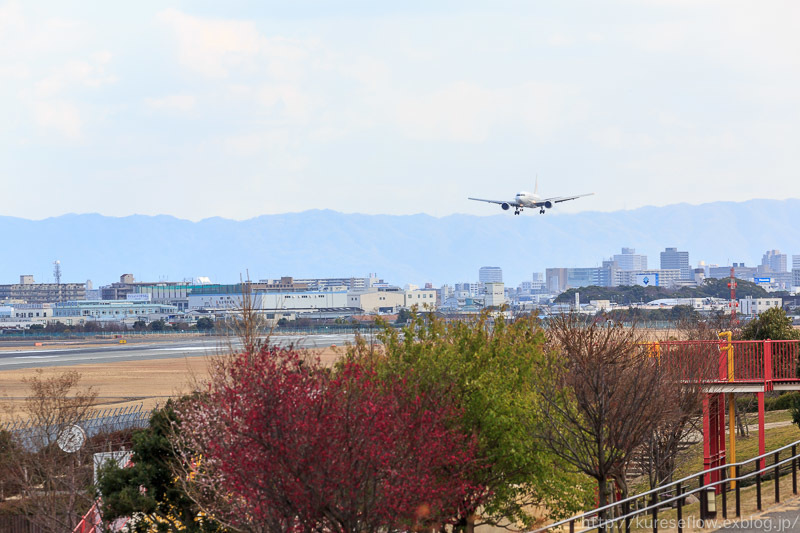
x: 490, y: 274
x: 559, y: 280
x: 494, y: 295
x: 629, y: 260
x: 755, y: 306
x: 73, y: 313
x: 740, y: 271
x: 774, y: 261
x: 665, y: 277
x: 672, y: 259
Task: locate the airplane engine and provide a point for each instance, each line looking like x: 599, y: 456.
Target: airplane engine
x: 505, y: 206
x: 548, y: 205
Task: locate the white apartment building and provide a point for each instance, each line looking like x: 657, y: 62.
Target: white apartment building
x: 421, y: 298
x: 271, y: 301
x: 756, y: 306
x: 648, y: 278
x: 494, y: 295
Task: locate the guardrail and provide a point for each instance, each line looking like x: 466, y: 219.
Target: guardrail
x: 673, y: 495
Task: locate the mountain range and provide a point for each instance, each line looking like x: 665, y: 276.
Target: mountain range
x: 399, y: 248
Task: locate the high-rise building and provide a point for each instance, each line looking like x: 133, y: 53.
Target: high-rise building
x: 740, y: 271
x: 629, y: 260
x: 672, y: 259
x: 774, y: 260
x: 490, y: 274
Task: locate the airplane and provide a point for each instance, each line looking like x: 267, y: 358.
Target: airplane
x: 531, y: 200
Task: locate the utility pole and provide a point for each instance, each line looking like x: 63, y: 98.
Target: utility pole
x: 733, y: 304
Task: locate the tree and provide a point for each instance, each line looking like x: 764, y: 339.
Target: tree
x: 684, y: 369
x: 158, y: 325
x: 280, y: 443
x: 56, y: 327
x: 402, y: 316
x: 771, y: 324
x: 205, y: 324
x: 92, y: 327
x: 607, y: 396
x: 53, y: 484
x: 794, y: 409
x: 10, y: 483
x: 139, y: 325
x: 491, y: 367
x: 163, y: 505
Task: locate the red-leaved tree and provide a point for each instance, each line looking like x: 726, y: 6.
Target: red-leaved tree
x: 284, y: 444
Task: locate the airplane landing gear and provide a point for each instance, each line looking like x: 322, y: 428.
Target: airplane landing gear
x: 541, y: 212
x: 516, y: 211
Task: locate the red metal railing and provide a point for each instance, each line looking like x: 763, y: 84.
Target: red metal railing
x: 753, y: 361
x: 91, y: 522
x: 785, y: 360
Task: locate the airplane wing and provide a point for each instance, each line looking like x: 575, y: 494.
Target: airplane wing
x: 559, y: 199
x: 509, y: 202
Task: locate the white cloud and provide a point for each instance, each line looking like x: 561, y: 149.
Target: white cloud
x: 60, y: 116
x: 84, y: 73
x: 212, y: 47
x: 467, y: 112
x: 173, y: 102
x: 218, y: 47
x: 287, y: 99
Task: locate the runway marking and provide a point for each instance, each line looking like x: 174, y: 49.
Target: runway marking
x: 188, y: 349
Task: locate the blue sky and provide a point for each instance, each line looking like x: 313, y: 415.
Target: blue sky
x: 238, y: 109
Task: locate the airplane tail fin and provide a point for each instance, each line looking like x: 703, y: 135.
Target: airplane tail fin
x: 536, y: 186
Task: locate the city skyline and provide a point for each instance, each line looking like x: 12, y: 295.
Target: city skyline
x: 203, y: 110
x: 410, y: 249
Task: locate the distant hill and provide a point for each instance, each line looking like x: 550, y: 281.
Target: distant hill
x: 400, y: 249
x: 626, y: 295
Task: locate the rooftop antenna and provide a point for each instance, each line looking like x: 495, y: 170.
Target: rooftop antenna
x: 733, y: 303
x: 57, y: 277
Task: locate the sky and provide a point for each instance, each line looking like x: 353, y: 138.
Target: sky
x: 238, y: 109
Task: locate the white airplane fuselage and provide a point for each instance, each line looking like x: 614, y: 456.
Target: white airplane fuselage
x: 526, y: 199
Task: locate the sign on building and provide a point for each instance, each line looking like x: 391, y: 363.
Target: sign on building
x: 647, y: 280
x: 134, y: 297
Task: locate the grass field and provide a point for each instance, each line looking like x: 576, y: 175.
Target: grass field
x: 124, y: 383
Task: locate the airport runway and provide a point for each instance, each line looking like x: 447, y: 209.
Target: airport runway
x: 19, y: 357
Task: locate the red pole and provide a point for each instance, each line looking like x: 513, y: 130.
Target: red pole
x: 762, y: 444
x: 706, y: 436
x: 767, y: 365
x: 733, y: 304
x: 720, y: 436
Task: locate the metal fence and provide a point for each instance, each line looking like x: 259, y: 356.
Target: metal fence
x: 20, y: 523
x: 618, y: 516
x: 33, y: 436
x: 42, y: 335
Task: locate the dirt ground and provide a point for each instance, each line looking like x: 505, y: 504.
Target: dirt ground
x: 124, y: 383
